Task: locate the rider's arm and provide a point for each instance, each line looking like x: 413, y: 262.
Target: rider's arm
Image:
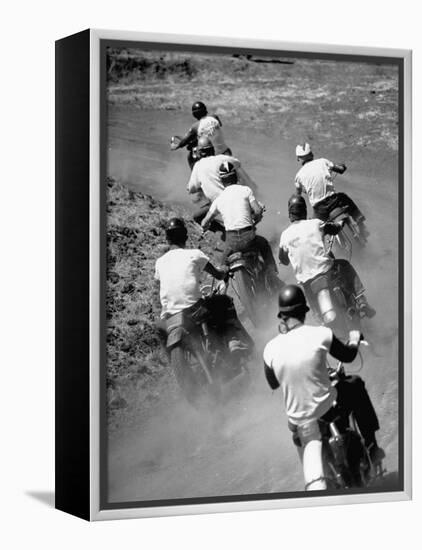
x: 339, y: 168
x: 212, y: 212
x: 283, y: 256
x: 346, y: 352
x: 257, y: 209
x: 271, y: 377
x: 216, y: 272
x: 190, y: 136
x: 234, y: 161
x: 299, y: 186
x: 217, y: 118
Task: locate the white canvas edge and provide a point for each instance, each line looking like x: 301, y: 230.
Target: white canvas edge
x: 138, y: 512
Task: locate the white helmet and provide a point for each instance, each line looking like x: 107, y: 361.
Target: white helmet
x: 303, y: 150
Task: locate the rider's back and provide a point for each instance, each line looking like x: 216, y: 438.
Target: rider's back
x: 304, y: 242
x: 210, y: 127
x: 205, y: 175
x: 298, y: 359
x: 178, y: 272
x: 316, y: 178
x: 234, y: 205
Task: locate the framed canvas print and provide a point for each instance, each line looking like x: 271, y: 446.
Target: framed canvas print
x: 233, y: 274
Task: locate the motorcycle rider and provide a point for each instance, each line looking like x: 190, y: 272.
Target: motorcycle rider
x: 179, y: 271
x: 205, y: 179
x: 302, y: 245
x: 240, y: 211
x: 316, y: 179
x: 206, y: 125
x: 295, y: 360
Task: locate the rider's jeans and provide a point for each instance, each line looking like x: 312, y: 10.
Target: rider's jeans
x: 240, y: 241
x: 323, y: 208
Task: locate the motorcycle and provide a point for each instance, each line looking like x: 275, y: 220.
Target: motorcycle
x: 251, y: 283
x: 350, y: 234
x: 331, y: 304
x: 345, y: 458
x: 198, y: 346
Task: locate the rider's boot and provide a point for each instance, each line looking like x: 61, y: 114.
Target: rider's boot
x: 376, y: 454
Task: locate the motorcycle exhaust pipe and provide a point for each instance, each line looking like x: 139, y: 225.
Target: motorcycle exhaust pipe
x: 326, y: 307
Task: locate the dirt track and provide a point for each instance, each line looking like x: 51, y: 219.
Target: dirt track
x: 246, y: 449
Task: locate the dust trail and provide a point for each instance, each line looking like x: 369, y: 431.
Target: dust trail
x: 242, y: 448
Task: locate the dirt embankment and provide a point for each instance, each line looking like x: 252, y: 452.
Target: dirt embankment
x: 137, y: 370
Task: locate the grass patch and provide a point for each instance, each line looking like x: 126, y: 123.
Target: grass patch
x: 352, y: 104
x: 138, y: 373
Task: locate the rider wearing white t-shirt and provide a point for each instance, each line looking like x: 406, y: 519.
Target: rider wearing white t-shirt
x: 302, y: 246
x: 179, y: 271
x: 205, y: 175
x: 205, y: 181
x: 315, y: 178
x: 210, y: 127
x: 239, y: 211
x: 206, y: 126
x: 296, y: 361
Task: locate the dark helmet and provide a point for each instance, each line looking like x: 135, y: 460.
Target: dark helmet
x: 176, y: 231
x: 297, y: 208
x: 227, y: 173
x: 292, y: 302
x: 199, y: 109
x: 205, y: 148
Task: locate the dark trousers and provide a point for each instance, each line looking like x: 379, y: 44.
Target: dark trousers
x: 338, y: 200
x: 247, y: 239
x: 352, y: 396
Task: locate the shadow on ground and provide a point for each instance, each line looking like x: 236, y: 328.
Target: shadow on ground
x: 45, y: 497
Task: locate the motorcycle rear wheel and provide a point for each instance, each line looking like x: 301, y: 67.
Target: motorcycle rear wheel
x: 244, y: 288
x: 190, y: 376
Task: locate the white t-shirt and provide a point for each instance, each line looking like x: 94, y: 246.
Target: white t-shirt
x: 316, y: 179
x: 304, y: 242
x: 298, y: 359
x: 235, y: 206
x: 178, y: 271
x: 210, y: 127
x: 205, y: 175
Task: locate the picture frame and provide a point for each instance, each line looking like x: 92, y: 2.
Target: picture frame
x: 82, y: 167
